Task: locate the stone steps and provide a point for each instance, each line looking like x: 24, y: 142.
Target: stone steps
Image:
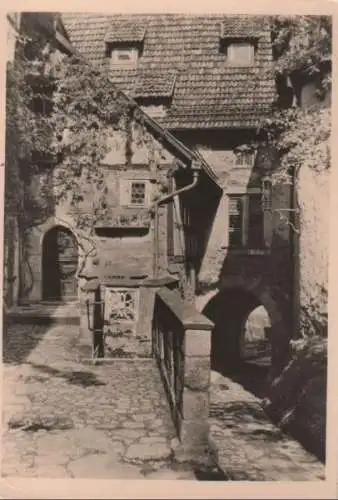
x: 45, y: 313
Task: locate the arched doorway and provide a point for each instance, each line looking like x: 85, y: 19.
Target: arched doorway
x: 59, y: 265
x: 256, y: 341
x: 241, y: 322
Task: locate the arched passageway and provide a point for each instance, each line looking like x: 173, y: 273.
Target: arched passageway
x: 59, y: 265
x: 240, y: 339
x: 256, y: 342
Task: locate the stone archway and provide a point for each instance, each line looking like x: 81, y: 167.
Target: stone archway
x: 230, y: 309
x: 59, y: 265
x: 256, y: 336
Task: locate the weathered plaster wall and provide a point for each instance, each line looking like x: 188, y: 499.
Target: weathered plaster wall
x: 128, y: 252
x: 314, y: 200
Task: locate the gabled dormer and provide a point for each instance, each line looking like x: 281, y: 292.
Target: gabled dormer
x: 124, y: 45
x: 238, y: 44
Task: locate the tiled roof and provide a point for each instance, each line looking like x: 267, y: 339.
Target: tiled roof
x: 181, y: 57
x: 145, y: 84
x: 125, y: 32
x: 244, y: 26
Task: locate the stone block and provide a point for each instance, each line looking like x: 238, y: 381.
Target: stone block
x: 195, y: 446
x: 197, y: 372
x: 194, y: 433
x: 198, y: 343
x: 195, y: 404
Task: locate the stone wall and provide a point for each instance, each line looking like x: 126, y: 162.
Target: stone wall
x: 265, y: 273
x: 314, y: 201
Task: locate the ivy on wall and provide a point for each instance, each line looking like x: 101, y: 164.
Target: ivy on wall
x: 60, y: 113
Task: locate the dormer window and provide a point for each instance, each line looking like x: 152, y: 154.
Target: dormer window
x: 241, y: 53
x: 124, y: 57
x: 124, y: 44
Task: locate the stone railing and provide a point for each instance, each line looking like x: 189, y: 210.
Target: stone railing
x: 181, y: 346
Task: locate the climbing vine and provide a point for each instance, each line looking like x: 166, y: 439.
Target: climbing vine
x: 62, y: 118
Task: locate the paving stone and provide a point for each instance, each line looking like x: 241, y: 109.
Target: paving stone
x: 54, y: 458
x: 153, y: 439
x: 170, y: 475
x: 51, y: 471
x: 133, y: 425
x: 129, y: 433
x: 94, y: 465
x: 101, y: 417
x: 147, y: 451
x: 249, y: 446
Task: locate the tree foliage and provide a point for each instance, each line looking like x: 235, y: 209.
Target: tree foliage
x: 63, y: 116
x: 301, y: 43
x: 302, y: 48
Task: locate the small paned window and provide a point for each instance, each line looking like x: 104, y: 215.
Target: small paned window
x: 138, y: 193
x: 135, y: 193
x: 245, y: 158
x: 241, y: 53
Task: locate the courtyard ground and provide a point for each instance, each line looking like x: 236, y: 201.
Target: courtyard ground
x: 66, y: 419
x: 250, y: 446
x: 63, y: 418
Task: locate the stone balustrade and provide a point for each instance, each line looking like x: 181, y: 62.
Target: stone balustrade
x: 182, y: 346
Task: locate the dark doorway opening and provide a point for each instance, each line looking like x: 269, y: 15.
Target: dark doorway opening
x: 59, y: 265
x: 240, y: 346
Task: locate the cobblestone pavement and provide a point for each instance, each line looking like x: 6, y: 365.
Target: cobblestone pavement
x: 63, y: 418
x: 250, y: 447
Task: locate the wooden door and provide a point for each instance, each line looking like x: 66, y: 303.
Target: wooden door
x: 60, y: 262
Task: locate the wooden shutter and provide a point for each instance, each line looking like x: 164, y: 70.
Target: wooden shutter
x: 125, y: 192
x: 170, y: 223
x: 235, y: 220
x: 255, y: 221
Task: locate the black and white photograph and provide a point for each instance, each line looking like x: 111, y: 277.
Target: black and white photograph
x: 166, y: 238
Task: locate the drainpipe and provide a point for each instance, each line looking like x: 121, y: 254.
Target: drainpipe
x: 195, y: 172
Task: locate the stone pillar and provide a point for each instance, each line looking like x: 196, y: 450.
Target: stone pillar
x: 195, y: 445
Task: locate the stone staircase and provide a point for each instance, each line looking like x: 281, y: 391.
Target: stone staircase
x: 45, y: 313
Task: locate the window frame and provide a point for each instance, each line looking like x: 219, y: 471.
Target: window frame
x: 132, y: 184
x: 231, y: 57
x: 131, y: 63
x: 245, y: 216
x: 126, y: 193
x: 245, y: 158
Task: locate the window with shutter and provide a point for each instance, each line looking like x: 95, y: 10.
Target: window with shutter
x: 170, y: 223
x: 246, y: 221
x: 255, y: 222
x: 235, y: 220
